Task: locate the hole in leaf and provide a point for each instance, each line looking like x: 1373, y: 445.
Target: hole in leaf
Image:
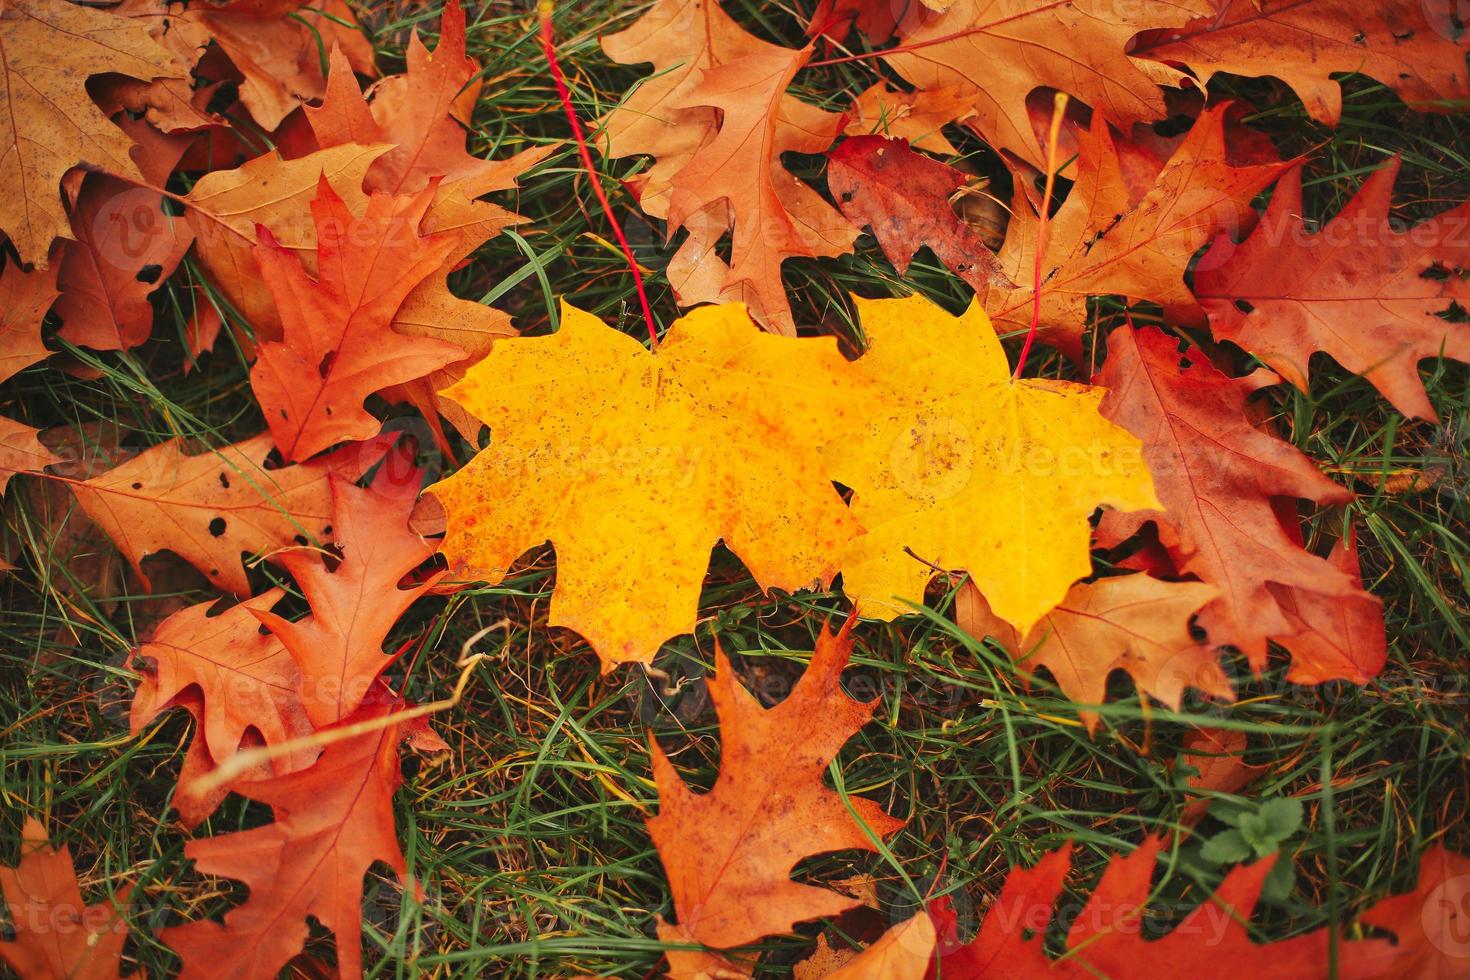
x: 150, y: 273
x: 217, y: 526
x: 1244, y: 307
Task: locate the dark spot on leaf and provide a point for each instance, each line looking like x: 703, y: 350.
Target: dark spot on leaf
x: 137, y: 486
x: 325, y: 367
x: 300, y: 539
x: 1455, y: 314
x: 224, y: 480
x: 217, y: 526
x: 1437, y: 272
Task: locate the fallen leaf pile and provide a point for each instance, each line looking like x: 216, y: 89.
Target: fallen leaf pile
x: 1129, y: 500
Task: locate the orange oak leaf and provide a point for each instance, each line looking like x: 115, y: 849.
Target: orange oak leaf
x: 211, y: 508
x: 1217, y: 756
x: 772, y: 215
x: 1078, y: 47
x: 1106, y: 938
x: 236, y: 679
x: 225, y: 207
x: 415, y: 112
x: 24, y: 299
x: 1216, y: 474
x: 419, y: 113
x: 333, y: 820
x: 57, y: 935
x: 48, y: 50
x: 904, y: 197
x: 1334, y: 635
x: 1431, y: 925
x: 1134, y: 623
x: 1106, y: 240
x: 729, y: 853
x: 682, y: 40
x: 717, y: 118
x: 1415, y: 48
x: 1373, y: 297
x: 125, y: 246
x: 355, y: 596
x: 338, y: 345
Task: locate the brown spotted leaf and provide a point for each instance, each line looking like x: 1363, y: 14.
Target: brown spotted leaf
x: 212, y: 508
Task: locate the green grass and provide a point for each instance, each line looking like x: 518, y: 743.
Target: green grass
x: 530, y: 839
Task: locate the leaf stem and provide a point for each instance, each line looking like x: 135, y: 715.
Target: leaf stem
x: 544, y: 9
x: 1058, y: 111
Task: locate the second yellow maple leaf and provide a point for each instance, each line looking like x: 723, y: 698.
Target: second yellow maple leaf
x: 957, y: 465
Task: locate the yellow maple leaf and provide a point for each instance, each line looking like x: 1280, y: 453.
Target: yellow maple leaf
x: 635, y: 464
x: 957, y: 466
